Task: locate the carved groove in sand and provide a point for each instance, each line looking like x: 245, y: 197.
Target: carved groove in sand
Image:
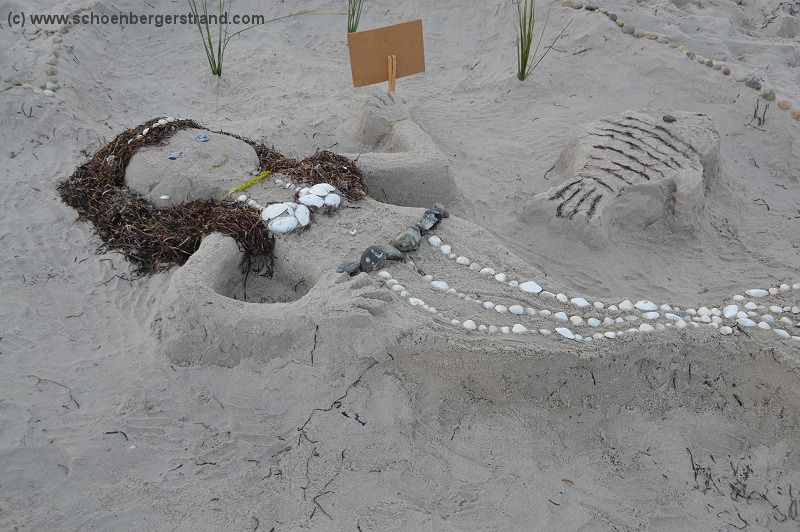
x: 631, y: 171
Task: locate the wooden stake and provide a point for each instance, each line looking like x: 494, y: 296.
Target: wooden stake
x: 391, y: 61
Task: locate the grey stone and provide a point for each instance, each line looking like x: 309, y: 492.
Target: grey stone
x: 408, y: 240
x: 372, y: 259
x: 753, y: 83
x: 429, y: 221
x: 348, y: 267
x: 441, y: 209
x: 392, y: 253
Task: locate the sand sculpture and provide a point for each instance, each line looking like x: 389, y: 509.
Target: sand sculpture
x: 629, y: 171
x: 632, y: 171
x: 400, y: 151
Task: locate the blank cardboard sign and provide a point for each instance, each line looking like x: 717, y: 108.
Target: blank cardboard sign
x: 370, y: 48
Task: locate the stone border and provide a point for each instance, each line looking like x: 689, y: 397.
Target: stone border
x: 750, y: 81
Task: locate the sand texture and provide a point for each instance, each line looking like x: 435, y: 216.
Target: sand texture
x: 206, y: 397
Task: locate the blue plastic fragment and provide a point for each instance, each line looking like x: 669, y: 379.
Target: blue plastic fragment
x: 202, y: 137
x: 175, y: 154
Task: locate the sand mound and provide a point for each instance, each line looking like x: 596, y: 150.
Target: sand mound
x: 402, y: 165
x: 202, y: 170
x: 631, y: 172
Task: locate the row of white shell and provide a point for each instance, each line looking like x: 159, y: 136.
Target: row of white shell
x: 655, y: 317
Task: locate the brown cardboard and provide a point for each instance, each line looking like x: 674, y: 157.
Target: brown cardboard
x: 369, y: 50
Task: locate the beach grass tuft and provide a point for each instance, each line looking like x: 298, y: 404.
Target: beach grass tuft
x: 215, y: 45
x: 353, y: 14
x: 526, y: 21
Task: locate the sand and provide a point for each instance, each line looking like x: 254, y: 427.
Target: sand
x: 328, y: 402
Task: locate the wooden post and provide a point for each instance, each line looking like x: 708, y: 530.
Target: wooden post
x: 391, y: 61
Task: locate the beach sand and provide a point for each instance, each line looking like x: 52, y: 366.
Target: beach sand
x: 365, y: 412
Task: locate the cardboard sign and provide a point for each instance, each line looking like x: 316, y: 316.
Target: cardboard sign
x: 371, y: 53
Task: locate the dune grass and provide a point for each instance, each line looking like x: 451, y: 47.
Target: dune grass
x: 215, y: 45
x: 526, y: 21
x: 353, y: 14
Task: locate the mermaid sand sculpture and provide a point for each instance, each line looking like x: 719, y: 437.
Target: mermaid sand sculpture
x: 630, y: 172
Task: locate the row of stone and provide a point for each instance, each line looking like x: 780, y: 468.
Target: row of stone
x: 560, y: 332
x: 703, y: 316
x: 750, y: 81
x: 51, y: 83
x: 375, y: 257
x: 648, y: 308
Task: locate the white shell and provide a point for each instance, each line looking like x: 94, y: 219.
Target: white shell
x: 566, y: 333
x: 285, y: 224
x: 756, y: 292
x: 519, y: 329
x: 579, y: 302
x: 439, y: 286
x: 303, y: 215
x: 242, y: 198
x: 304, y: 191
x: 273, y: 211
x: 530, y: 287
x: 322, y: 189
x: 730, y: 311
x: 311, y: 200
x: 646, y: 305
x: 435, y: 241
x: 333, y: 200
x: 469, y: 325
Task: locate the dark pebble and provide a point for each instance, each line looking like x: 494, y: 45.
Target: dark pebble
x: 441, y: 210
x: 429, y: 221
x: 668, y: 119
x: 753, y: 84
x: 372, y: 259
x: 392, y: 253
x: 348, y: 267
x: 408, y: 240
